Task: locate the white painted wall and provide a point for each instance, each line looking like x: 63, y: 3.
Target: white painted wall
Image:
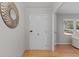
x: 12, y: 41
x: 61, y: 38
x: 26, y: 14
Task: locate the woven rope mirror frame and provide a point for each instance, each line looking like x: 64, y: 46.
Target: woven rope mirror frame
x: 9, y: 14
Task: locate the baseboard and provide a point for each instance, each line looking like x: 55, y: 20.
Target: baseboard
x: 63, y: 43
x: 37, y: 50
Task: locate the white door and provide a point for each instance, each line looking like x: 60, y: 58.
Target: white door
x: 40, y: 32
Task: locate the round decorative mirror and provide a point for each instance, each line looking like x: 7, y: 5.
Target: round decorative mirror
x: 9, y: 14
x: 13, y: 14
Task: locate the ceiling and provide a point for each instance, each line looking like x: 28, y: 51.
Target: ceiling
x: 69, y: 7
x: 39, y: 4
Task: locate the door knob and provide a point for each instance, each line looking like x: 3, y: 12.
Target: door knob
x: 31, y: 31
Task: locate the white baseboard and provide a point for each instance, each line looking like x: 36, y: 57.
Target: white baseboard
x: 63, y: 43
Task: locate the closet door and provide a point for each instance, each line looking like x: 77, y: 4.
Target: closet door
x: 40, y: 30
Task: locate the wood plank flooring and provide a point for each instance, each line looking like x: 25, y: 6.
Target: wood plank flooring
x: 68, y: 50
x: 62, y: 50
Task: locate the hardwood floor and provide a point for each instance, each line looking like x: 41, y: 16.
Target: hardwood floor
x: 68, y: 50
x: 37, y: 53
x: 63, y: 50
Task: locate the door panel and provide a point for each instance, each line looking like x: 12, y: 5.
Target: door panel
x: 39, y: 29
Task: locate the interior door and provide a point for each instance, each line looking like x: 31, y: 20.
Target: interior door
x: 40, y: 30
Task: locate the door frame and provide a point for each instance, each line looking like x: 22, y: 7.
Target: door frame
x: 59, y: 5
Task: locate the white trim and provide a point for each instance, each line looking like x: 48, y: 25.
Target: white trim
x: 63, y: 43
x: 57, y: 7
x: 53, y: 19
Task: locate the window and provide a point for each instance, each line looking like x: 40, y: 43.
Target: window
x: 77, y: 28
x: 68, y: 26
x: 77, y: 25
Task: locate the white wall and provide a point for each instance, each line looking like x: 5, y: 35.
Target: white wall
x: 12, y: 41
x: 61, y: 38
x: 26, y: 14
